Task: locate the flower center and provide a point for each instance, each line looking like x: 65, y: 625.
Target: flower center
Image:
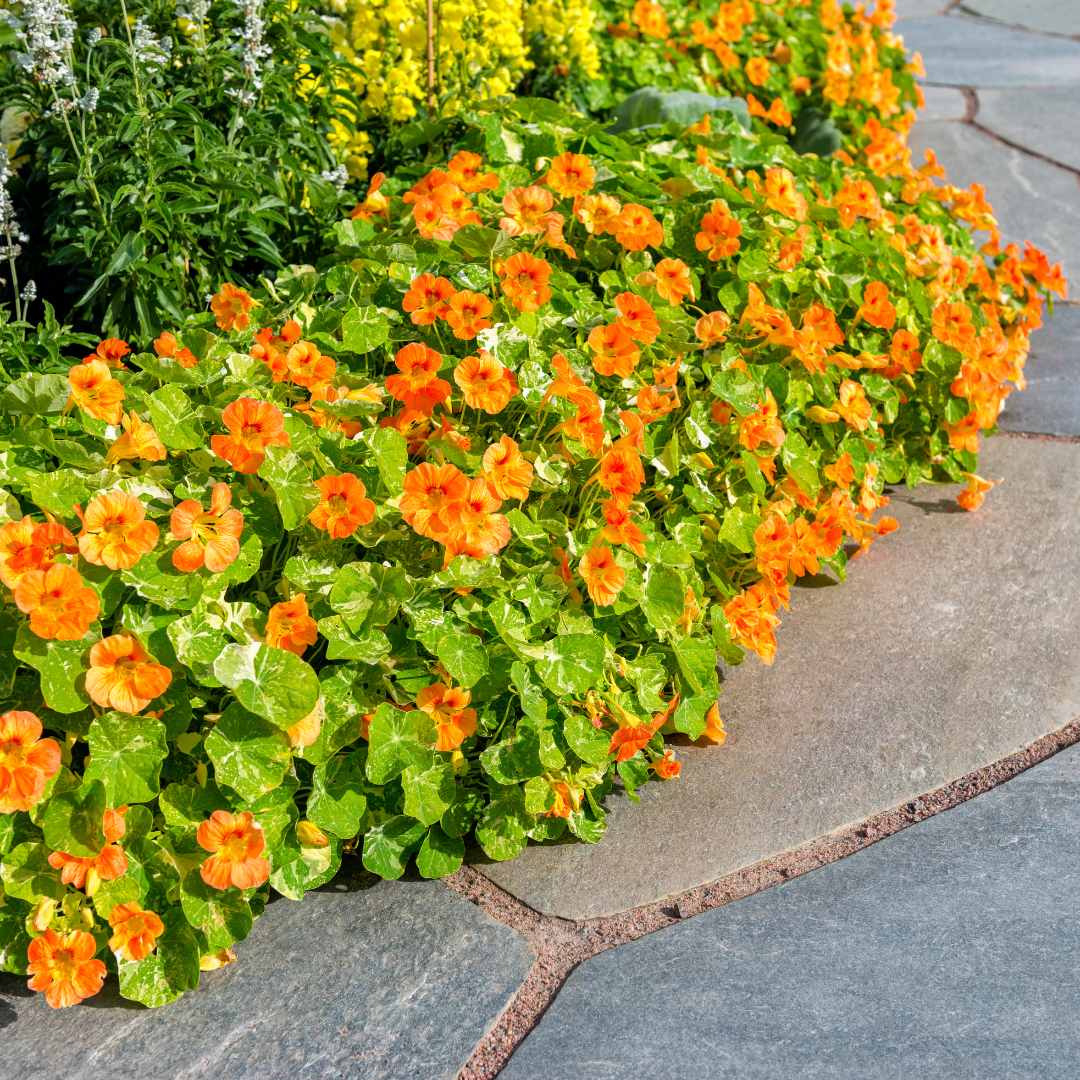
x: 339, y: 506
x: 114, y: 527
x: 234, y: 847
x: 64, y: 966
x: 12, y: 754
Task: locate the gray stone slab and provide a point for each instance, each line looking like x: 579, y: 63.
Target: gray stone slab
x: 1032, y: 200
x: 390, y: 979
x: 943, y: 103
x: 959, y: 51
x: 948, y: 950
x: 913, y: 9
x: 1045, y: 120
x: 1049, y: 16
x: 954, y: 642
x: 1051, y: 403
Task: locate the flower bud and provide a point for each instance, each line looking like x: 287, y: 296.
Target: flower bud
x: 87, y: 915
x: 822, y: 416
x: 216, y: 960
x: 201, y: 773
x: 458, y: 763
x: 310, y: 835
x: 42, y: 915
x: 703, y: 460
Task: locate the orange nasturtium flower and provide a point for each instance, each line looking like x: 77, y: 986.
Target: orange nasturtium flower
x: 637, y: 318
x: 447, y: 706
x: 468, y: 314
x: 26, y: 761
x: 971, y: 498
x: 231, y: 306
x: 237, y: 844
x: 598, y: 213
x: 475, y: 529
x: 306, y: 730
x: 343, y: 508
x: 60, y: 606
x: 63, y: 965
x: 27, y: 545
x: 464, y: 168
x: 96, y: 392
x: 115, y: 531
x: 166, y: 346
x: 752, y: 622
x: 253, y: 426
x: 616, y: 353
x: 603, y: 578
x: 107, y: 865
x: 782, y: 196
x: 853, y: 406
x: 666, y: 768
x: 620, y: 528
x: 757, y: 70
x: 524, y: 281
x: 762, y: 426
x: 714, y: 726
x: 876, y: 309
x: 720, y: 233
x: 673, y: 280
x: 134, y: 931
x: 211, y: 539
x: 841, y: 472
x: 485, y: 383
x: 637, y: 229
x: 711, y: 329
x: 952, y: 326
x: 428, y: 493
x: 427, y: 298
x: 621, y: 474
x: 111, y: 351
x: 650, y: 19
x: 290, y: 627
x: 307, y: 366
x: 506, y: 470
x: 139, y: 440
x: 122, y: 676
x: 418, y: 386
x: 571, y: 175
x: 526, y: 211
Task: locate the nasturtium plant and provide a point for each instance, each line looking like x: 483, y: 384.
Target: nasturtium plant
x: 438, y: 541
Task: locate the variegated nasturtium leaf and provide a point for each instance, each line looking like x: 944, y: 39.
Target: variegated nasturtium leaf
x: 665, y: 592
x: 249, y: 753
x: 397, y: 739
x: 464, y: 656
x: 392, y: 455
x: 223, y: 915
x: 28, y: 875
x: 74, y: 820
x: 169, y: 970
x: 272, y: 683
x: 572, y: 663
x: 126, y: 753
x: 439, y: 854
x: 62, y: 664
x: 121, y: 890
x: 290, y: 477
x: 183, y: 805
x: 428, y: 792
x: 369, y: 595
x: 176, y: 422
x: 387, y: 847
x: 198, y: 640
x: 299, y: 867
x: 337, y: 801
x: 503, y: 824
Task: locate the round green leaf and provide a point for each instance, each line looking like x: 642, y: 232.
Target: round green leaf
x: 272, y: 683
x: 62, y: 664
x: 27, y: 874
x: 298, y: 867
x: 74, y: 820
x: 387, y: 846
x: 249, y: 754
x: 337, y: 800
x: 126, y: 753
x: 502, y: 826
x: 428, y: 792
x: 183, y: 805
x: 397, y: 739
x: 572, y: 663
x: 169, y: 970
x: 439, y: 854
x: 465, y: 657
x: 223, y: 915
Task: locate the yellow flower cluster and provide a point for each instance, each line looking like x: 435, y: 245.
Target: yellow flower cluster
x: 567, y: 26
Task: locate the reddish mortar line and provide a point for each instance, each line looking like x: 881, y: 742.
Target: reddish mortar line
x: 562, y: 944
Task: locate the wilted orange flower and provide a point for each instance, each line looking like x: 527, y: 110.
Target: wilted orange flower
x: 571, y: 175
x: 138, y: 441
x: 526, y: 208
x: 598, y: 213
x: 344, y: 507
x: 971, y: 498
x: 26, y: 761
x: 636, y: 228
x: 426, y: 299
x: 464, y: 168
x: 468, y: 314
x: 666, y: 768
x: 96, y: 392
x: 27, y: 545
x: 507, y: 472
x: 673, y: 280
x: 109, y: 864
x: 876, y: 309
x: 853, y: 406
x: 447, y: 706
x: 757, y: 70
x: 115, y: 533
x: 620, y: 528
x: 237, y: 844
x: 474, y: 527
x: 418, y: 386
x: 711, y: 329
x: 621, y: 474
x: 429, y: 492
x: 762, y: 426
x: 307, y: 730
x: 307, y: 366
x: 432, y: 221
x: 637, y: 318
x: 111, y: 352
x: 485, y: 383
x: 952, y: 326
x: 791, y: 248
x: 253, y: 426
x: 650, y: 19
x: 782, y: 196
x: 424, y: 188
x: 375, y: 204
x: 134, y: 931
x: 841, y: 471
x: 63, y: 965
x: 615, y: 353
x: 59, y: 605
x: 290, y: 627
x: 602, y: 576
x: 714, y: 726
x: 166, y: 346
x: 122, y: 676
x: 231, y: 306
x: 752, y: 622
x: 524, y: 280
x: 211, y: 539
x: 720, y: 233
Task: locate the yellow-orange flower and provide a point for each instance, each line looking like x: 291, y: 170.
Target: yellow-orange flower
x: 237, y: 844
x: 468, y: 314
x: 111, y: 352
x: 714, y: 726
x: 952, y: 326
x: 720, y: 232
x: 122, y: 676
x: 474, y: 527
x: 307, y: 730
x: 26, y: 761
x: 666, y: 767
x: 636, y: 228
x: 307, y: 366
x: 63, y: 966
x: 650, y: 19
x: 711, y: 329
x: 26, y: 545
x: 115, y: 533
x: 673, y: 280
x: 343, y: 508
x: 60, y: 606
x: 757, y: 70
x: 211, y: 539
x: 616, y: 353
x: 485, y: 383
x: 253, y: 426
x: 526, y: 209
x: 426, y: 299
x: 637, y: 318
x: 752, y: 622
x: 167, y: 346
x: 621, y: 529
x: 571, y: 175
x: 290, y: 627
x: 231, y: 306
x: 524, y: 280
x: 138, y: 441
x: 602, y: 576
x: 447, y: 706
x: 506, y: 470
x: 135, y: 931
x: 464, y: 168
x: 876, y: 309
x: 96, y: 392
x: 781, y: 195
x: 598, y: 213
x: 428, y: 493
x: 621, y: 474
x: 971, y: 498
x: 853, y: 406
x: 418, y: 386
x: 762, y: 426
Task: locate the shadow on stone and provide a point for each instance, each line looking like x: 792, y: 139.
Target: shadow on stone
x: 940, y: 506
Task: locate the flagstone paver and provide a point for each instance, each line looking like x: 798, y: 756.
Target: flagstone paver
x: 1041, y: 119
x: 1049, y: 16
x: 949, y: 949
x: 1051, y: 402
x: 961, y: 51
x: 363, y: 979
x: 954, y: 642
x: 943, y: 103
x: 913, y: 9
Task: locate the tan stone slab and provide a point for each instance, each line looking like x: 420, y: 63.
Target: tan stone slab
x: 954, y: 642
